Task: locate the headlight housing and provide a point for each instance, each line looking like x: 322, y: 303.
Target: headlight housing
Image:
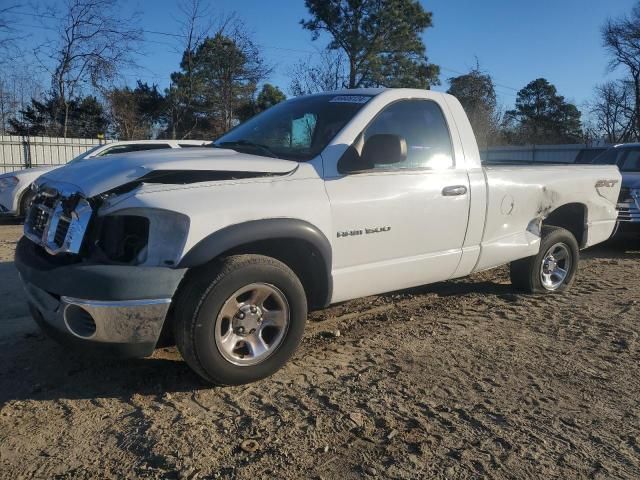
x: 8, y: 182
x: 141, y: 236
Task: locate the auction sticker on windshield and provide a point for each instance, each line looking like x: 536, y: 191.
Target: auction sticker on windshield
x: 350, y: 99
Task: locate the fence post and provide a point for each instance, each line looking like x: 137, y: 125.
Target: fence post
x: 26, y: 148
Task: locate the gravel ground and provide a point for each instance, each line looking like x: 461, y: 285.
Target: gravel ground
x: 455, y: 380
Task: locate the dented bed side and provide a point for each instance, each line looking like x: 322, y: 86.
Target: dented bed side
x: 520, y: 200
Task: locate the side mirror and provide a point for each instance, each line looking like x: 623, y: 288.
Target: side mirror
x: 380, y: 149
x: 383, y: 149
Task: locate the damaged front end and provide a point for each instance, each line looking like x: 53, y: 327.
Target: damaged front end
x: 65, y: 223
x: 103, y: 281
x: 58, y: 219
x: 100, y: 261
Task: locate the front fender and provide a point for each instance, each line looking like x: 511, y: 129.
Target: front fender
x: 242, y: 234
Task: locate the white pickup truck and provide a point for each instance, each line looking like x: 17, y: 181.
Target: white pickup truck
x: 318, y: 200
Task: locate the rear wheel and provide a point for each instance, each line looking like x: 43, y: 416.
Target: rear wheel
x: 553, y: 269
x: 240, y: 320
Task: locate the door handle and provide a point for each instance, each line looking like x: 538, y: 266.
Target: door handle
x: 454, y: 190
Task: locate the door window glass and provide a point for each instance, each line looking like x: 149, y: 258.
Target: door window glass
x: 423, y: 126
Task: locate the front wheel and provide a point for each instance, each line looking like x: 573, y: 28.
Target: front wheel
x: 241, y: 319
x: 553, y: 269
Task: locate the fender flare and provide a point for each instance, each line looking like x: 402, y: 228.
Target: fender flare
x: 240, y: 234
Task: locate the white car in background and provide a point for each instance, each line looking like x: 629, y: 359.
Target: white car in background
x: 15, y: 194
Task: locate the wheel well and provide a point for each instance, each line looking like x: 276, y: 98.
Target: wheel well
x: 300, y: 256
x: 572, y: 217
x: 22, y: 206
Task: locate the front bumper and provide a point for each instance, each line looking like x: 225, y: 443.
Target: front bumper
x: 124, y: 329
x: 628, y: 212
x: 5, y: 212
x: 8, y: 204
x: 116, y: 309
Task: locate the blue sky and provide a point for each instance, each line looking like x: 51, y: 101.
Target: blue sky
x: 515, y: 41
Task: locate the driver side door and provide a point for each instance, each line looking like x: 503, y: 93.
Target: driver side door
x: 400, y: 225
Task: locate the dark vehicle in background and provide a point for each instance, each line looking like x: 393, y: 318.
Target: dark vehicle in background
x: 587, y: 155
x: 627, y: 157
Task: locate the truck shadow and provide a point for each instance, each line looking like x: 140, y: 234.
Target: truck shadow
x: 461, y: 287
x: 622, y: 246
x: 32, y: 366
x: 10, y: 221
x: 35, y: 367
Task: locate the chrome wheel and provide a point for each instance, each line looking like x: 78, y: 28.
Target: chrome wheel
x: 252, y: 324
x: 556, y: 266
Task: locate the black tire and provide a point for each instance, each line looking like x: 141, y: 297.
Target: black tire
x: 201, y: 298
x: 526, y: 273
x: 25, y: 202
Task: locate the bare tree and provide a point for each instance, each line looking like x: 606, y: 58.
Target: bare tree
x: 196, y: 23
x: 6, y: 31
x: 613, y: 111
x: 5, y: 106
x: 195, y: 26
x: 92, y: 43
x: 235, y: 77
x: 325, y: 72
x: 17, y: 88
x: 18, y: 84
x: 621, y: 37
x: 9, y: 36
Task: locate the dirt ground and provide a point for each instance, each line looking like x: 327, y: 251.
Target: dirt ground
x: 455, y: 380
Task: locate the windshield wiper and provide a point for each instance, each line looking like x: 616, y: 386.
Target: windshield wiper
x: 247, y: 143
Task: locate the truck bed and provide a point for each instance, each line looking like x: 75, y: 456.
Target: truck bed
x: 521, y: 196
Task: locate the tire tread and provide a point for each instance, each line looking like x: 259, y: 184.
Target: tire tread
x: 523, y: 272
x: 193, y: 293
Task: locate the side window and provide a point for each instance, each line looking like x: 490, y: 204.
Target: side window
x: 191, y: 145
x: 134, y: 147
x: 140, y: 147
x: 631, y: 162
x: 422, y: 124
x: 115, y: 150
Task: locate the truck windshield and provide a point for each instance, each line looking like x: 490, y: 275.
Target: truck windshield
x: 297, y: 129
x: 627, y: 159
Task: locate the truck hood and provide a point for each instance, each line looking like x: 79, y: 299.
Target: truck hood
x: 177, y: 166
x: 631, y: 179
